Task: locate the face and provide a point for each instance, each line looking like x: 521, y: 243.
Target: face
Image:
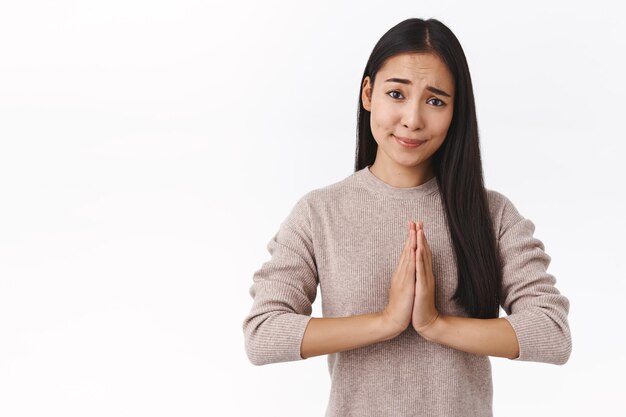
x: 412, y: 98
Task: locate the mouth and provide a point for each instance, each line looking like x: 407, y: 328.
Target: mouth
x: 409, y: 143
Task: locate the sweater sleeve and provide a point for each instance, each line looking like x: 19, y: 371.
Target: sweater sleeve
x: 283, y: 291
x: 536, y: 309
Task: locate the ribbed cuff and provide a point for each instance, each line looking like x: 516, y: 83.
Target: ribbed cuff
x: 280, y: 340
x: 525, y: 325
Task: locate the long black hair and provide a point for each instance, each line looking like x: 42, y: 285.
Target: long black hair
x: 456, y: 164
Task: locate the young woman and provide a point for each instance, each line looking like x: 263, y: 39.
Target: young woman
x: 413, y: 255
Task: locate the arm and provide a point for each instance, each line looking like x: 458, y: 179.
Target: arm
x: 283, y: 291
x: 279, y: 327
x: 336, y: 334
x: 536, y: 328
x: 535, y: 308
x: 492, y: 337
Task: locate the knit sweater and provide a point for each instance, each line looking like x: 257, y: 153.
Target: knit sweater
x: 347, y: 238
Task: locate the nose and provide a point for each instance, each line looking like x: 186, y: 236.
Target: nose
x: 412, y: 117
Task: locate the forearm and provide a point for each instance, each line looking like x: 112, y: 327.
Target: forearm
x: 336, y: 334
x: 491, y: 337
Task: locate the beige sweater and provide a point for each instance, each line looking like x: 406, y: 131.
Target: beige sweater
x: 347, y: 238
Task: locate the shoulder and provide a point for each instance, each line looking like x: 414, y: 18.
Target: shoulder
x: 319, y: 199
x: 503, y: 212
x: 330, y: 193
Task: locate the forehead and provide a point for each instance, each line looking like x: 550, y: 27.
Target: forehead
x: 417, y: 67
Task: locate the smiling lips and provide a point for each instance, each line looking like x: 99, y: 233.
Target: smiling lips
x: 410, y: 143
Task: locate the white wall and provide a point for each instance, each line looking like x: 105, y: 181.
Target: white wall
x: 150, y: 149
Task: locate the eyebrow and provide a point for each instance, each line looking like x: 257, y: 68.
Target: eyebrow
x: 428, y: 87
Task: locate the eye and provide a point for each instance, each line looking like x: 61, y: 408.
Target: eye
x: 394, y: 91
x: 439, y: 101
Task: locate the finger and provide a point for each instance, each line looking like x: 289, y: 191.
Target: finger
x: 407, y: 246
x: 402, y: 255
x: 413, y: 247
x: 427, y: 252
x: 420, y: 239
x: 422, y: 257
x: 424, y: 244
x: 419, y: 266
x: 417, y: 232
x: 427, y: 262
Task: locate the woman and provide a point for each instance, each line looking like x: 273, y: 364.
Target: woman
x: 410, y: 308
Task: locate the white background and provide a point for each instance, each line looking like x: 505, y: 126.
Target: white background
x: 150, y: 149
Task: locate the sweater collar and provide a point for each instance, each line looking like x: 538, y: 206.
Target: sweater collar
x: 372, y: 182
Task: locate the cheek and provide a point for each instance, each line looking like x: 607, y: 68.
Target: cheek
x: 443, y: 124
x: 383, y: 117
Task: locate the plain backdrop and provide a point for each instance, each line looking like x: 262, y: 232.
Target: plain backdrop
x: 149, y: 150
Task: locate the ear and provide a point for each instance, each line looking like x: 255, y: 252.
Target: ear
x: 366, y: 93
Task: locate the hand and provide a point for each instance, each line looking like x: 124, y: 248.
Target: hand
x: 398, y: 312
x: 424, y: 311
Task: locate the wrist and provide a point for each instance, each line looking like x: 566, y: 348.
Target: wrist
x: 432, y: 330
x: 389, y: 328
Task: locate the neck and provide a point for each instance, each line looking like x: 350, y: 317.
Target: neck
x: 402, y: 176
